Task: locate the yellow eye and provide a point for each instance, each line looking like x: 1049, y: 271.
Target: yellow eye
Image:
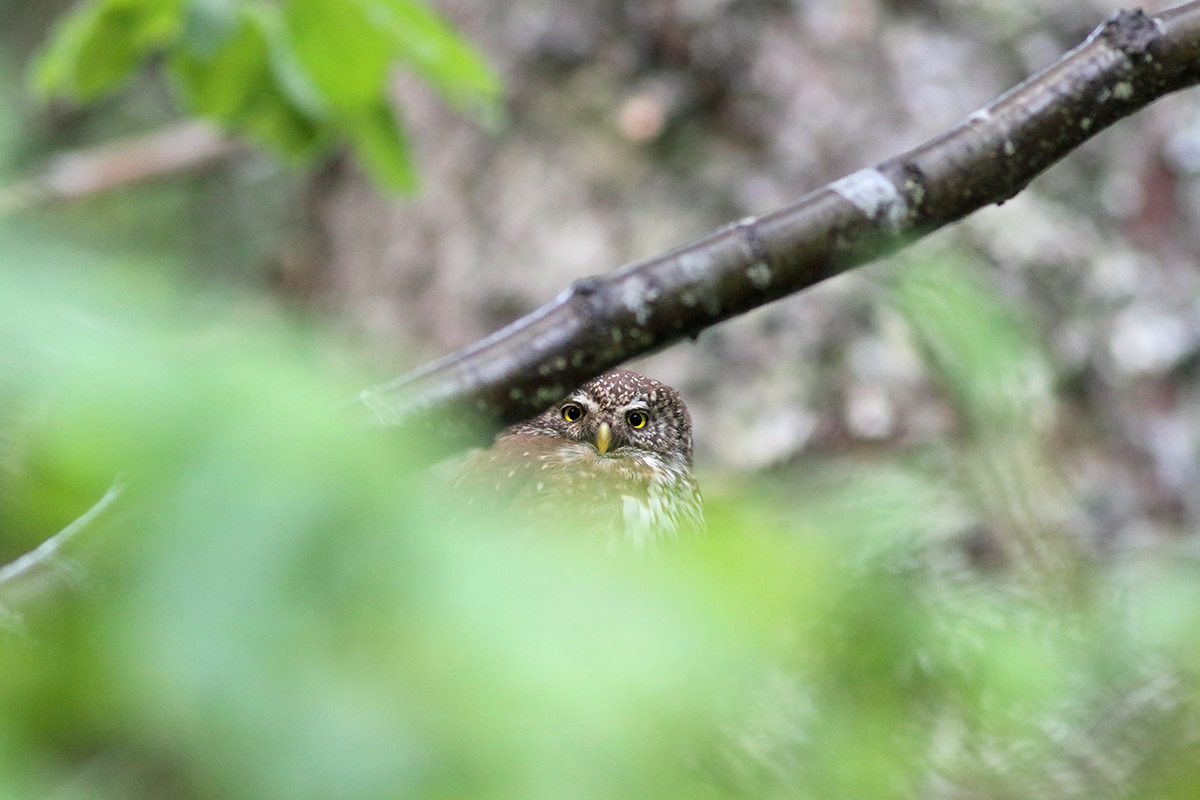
x: 636, y: 419
x: 571, y: 412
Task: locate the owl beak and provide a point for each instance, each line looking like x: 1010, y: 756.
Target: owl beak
x: 603, y: 438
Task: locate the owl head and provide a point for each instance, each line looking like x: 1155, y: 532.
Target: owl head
x: 621, y: 414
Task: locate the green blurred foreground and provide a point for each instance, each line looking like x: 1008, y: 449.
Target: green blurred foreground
x: 275, y: 607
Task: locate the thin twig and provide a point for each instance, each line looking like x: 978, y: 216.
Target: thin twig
x: 80, y: 173
x: 45, y: 552
x: 45, y: 560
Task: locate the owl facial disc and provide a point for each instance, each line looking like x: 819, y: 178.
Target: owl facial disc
x: 613, y: 459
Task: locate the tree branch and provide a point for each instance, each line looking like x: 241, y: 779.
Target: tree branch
x: 1131, y: 60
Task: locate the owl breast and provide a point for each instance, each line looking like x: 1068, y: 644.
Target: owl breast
x: 631, y: 499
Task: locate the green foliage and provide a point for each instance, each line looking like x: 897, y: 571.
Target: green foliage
x: 978, y: 345
x: 381, y: 145
x: 1002, y: 386
x: 278, y: 605
x: 440, y: 56
x: 298, y: 77
x: 98, y: 45
x: 232, y: 77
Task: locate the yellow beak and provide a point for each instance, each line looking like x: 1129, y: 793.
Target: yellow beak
x: 603, y: 438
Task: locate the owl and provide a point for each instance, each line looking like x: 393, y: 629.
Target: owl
x: 613, y: 461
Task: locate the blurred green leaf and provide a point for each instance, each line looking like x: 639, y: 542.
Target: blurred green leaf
x: 297, y: 76
x: 441, y: 56
x: 283, y: 607
x: 379, y: 140
x: 98, y: 45
x: 976, y: 343
x: 343, y: 52
x: 236, y: 83
x: 282, y: 611
x: 208, y: 24
x: 1003, y: 389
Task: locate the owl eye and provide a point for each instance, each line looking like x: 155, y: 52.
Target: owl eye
x: 636, y: 419
x: 571, y: 412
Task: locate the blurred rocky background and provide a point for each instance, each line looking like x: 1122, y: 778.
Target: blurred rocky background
x: 1038, y: 360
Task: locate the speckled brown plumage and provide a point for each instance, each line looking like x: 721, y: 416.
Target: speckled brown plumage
x: 613, y: 460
